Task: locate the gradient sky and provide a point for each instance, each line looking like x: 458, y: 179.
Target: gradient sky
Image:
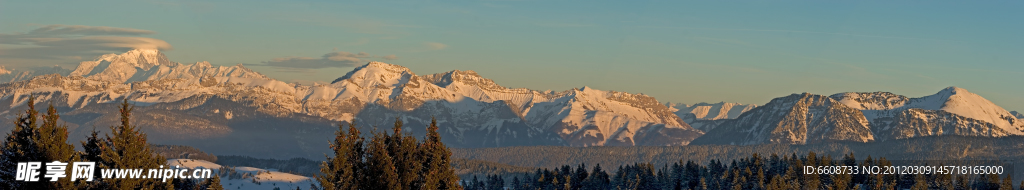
x: 676, y: 51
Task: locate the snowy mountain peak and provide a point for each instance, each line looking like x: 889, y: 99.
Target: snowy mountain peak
x: 207, y: 64
x: 954, y: 100
x: 4, y: 71
x: 466, y: 72
x: 710, y: 111
x: 1017, y: 114
x: 122, y: 67
x: 871, y: 100
x: 953, y: 90
x: 150, y: 64
x: 467, y: 77
x: 142, y: 58
x: 794, y: 119
x: 377, y: 71
x: 961, y: 102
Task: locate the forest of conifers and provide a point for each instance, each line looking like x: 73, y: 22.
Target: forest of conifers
x: 753, y: 172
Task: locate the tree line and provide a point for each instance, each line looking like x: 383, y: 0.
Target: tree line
x: 942, y: 147
x: 388, y: 162
x: 182, y: 152
x: 753, y: 172
x: 45, y: 140
x: 383, y: 161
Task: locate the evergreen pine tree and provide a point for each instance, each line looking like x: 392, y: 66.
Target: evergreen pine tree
x: 601, y: 178
x: 185, y: 184
x: 919, y: 183
x: 1007, y: 183
x: 407, y: 160
x: 32, y: 141
x: 474, y: 184
x: 51, y: 139
x: 19, y: 147
x: 214, y: 183
x: 438, y: 171
x: 381, y: 172
x: 127, y: 148
x: 338, y: 172
x: 516, y: 183
x: 579, y: 177
x: 93, y: 146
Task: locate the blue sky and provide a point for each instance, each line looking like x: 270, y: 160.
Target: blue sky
x: 677, y: 51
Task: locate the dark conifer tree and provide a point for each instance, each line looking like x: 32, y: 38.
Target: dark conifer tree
x: 127, y: 148
x: 1007, y: 183
x: 473, y: 184
x: 185, y: 184
x: 438, y: 171
x: 407, y: 159
x: 19, y: 147
x: 381, y: 172
x: 598, y: 178
x: 33, y: 141
x: 579, y: 177
x: 211, y: 184
x: 516, y: 183
x: 495, y: 182
x: 52, y: 141
x: 339, y: 171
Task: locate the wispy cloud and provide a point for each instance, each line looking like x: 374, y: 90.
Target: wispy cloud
x: 361, y: 41
x: 335, y: 59
x: 567, y: 25
x: 65, y: 44
x: 435, y: 45
x: 351, y: 23
x: 794, y: 31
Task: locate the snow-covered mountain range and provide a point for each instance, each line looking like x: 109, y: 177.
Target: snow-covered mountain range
x: 199, y: 104
x: 706, y: 116
x: 794, y: 119
x: 11, y: 75
x: 950, y: 111
x: 862, y: 117
x: 234, y: 110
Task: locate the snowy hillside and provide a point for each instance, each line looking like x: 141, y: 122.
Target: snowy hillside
x: 249, y: 177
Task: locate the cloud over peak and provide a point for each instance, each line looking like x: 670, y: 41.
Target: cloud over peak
x: 66, y: 44
x: 335, y: 59
x: 57, y: 29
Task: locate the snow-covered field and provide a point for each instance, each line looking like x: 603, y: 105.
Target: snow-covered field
x: 262, y: 179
